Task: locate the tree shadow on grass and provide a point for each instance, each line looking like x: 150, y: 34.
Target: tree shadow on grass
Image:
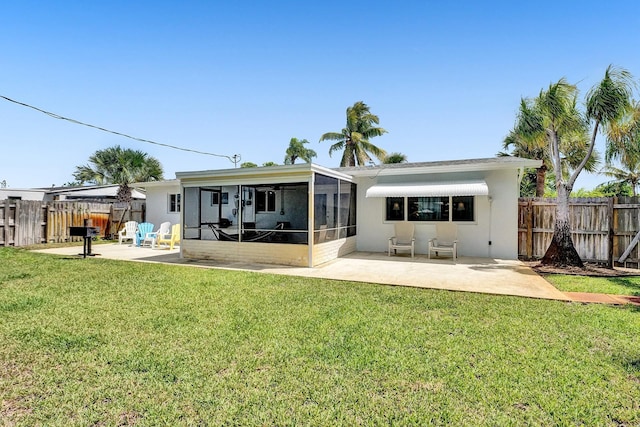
x: 630, y: 283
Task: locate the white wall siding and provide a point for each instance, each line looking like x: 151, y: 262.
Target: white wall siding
x: 158, y: 204
x: 495, y: 220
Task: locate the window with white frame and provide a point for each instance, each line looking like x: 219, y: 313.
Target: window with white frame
x: 174, y: 203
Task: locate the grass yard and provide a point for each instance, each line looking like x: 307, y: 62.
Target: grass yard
x: 102, y: 342
x: 624, y: 285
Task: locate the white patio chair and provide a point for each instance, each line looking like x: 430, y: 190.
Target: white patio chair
x: 149, y: 238
x: 403, y: 238
x: 446, y: 240
x: 128, y: 232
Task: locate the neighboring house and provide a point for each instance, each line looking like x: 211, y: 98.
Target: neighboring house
x: 162, y: 201
x: 22, y: 194
x: 95, y: 193
x: 306, y: 214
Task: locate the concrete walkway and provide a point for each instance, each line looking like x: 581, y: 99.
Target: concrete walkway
x: 484, y: 275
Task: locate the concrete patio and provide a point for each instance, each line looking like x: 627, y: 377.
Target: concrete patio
x: 484, y: 275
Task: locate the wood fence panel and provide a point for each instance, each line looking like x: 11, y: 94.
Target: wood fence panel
x: 27, y: 222
x: 601, y: 228
x: 627, y: 225
x: 7, y: 223
x: 65, y: 214
x: 30, y: 224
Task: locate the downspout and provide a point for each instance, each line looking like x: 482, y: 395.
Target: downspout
x: 490, y: 199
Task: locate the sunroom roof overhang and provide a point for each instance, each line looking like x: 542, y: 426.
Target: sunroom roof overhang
x: 430, y: 189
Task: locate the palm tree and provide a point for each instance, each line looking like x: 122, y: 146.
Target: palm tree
x: 354, y: 138
x: 627, y: 174
x: 523, y: 145
x: 297, y: 150
x: 554, y: 116
x: 115, y: 165
x: 393, y: 158
x: 623, y: 137
x: 529, y: 149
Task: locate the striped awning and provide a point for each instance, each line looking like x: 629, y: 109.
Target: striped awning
x: 430, y: 189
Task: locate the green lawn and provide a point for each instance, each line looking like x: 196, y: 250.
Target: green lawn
x: 102, y: 342
x: 626, y: 285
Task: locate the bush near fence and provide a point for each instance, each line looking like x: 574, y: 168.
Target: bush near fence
x: 603, y: 229
x: 29, y: 222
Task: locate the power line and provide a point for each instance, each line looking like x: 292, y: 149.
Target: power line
x: 232, y: 159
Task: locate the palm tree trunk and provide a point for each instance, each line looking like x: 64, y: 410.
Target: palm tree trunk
x: 541, y: 174
x: 561, y: 251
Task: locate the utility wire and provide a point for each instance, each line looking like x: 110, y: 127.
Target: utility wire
x: 233, y: 159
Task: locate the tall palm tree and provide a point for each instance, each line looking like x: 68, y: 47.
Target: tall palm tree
x: 623, y: 145
x: 627, y: 174
x: 522, y: 144
x: 354, y: 138
x: 529, y: 149
x: 623, y: 137
x: 297, y: 150
x: 115, y: 165
x: 554, y: 116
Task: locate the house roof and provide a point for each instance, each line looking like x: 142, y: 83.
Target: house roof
x: 161, y: 183
x: 491, y: 163
x: 262, y: 173
x: 94, y: 191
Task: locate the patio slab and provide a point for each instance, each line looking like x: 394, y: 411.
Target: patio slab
x: 485, y: 275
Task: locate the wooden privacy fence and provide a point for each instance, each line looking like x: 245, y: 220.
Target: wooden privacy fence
x: 28, y: 222
x: 602, y: 229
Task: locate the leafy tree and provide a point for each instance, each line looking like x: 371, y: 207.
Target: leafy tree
x: 614, y: 188
x: 528, y: 148
x: 265, y: 164
x: 393, y: 158
x: 297, y: 150
x: 353, y: 140
x: 623, y: 137
x: 623, y: 145
x: 554, y: 116
x: 522, y: 144
x: 248, y: 165
x: 627, y: 174
x: 115, y: 165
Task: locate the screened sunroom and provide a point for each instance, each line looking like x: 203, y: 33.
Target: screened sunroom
x: 301, y: 215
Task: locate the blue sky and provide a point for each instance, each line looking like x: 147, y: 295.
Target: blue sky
x: 229, y: 78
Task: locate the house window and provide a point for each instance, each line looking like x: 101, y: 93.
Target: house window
x: 174, y: 203
x: 428, y: 208
x: 265, y: 201
x: 395, y: 209
x: 447, y: 208
x: 462, y: 208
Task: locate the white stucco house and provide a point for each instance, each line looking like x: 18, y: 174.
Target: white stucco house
x: 306, y: 214
x: 163, y: 201
x: 82, y: 193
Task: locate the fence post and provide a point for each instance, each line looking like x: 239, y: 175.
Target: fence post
x: 610, y: 232
x: 6, y: 222
x: 529, y: 229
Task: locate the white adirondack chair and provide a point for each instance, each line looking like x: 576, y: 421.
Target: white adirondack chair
x: 128, y: 232
x: 446, y: 240
x: 403, y: 238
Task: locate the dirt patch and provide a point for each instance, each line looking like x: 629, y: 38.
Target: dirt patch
x: 593, y: 270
